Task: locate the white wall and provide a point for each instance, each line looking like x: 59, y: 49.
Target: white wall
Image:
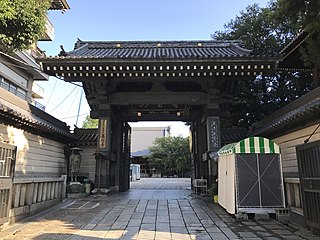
x: 36, y: 156
x: 143, y: 137
x: 288, y: 143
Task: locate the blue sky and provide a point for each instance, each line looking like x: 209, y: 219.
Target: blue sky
x: 103, y: 20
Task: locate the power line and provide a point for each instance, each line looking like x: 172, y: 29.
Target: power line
x: 307, y: 140
x: 63, y: 100
x: 52, y: 90
x: 75, y: 116
x: 79, y: 106
x: 74, y: 99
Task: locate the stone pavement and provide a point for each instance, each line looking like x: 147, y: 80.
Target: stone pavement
x: 168, y: 210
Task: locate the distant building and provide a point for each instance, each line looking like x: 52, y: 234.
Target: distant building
x: 141, y: 139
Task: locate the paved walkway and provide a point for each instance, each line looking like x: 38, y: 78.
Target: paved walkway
x: 142, y: 213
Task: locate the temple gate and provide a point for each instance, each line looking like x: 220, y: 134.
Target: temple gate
x: 190, y: 81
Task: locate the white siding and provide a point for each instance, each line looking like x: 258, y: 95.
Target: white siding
x: 288, y: 143
x: 13, y: 76
x: 36, y: 156
x: 88, y: 162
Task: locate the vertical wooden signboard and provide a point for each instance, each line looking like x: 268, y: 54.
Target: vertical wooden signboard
x: 213, y: 134
x: 103, y: 140
x: 214, y: 144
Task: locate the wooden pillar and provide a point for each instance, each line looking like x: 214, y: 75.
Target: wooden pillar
x: 198, y: 148
x: 103, y: 153
x: 124, y: 183
x: 193, y: 167
x: 213, y: 132
x: 116, y: 150
x: 202, y: 149
x: 213, y: 144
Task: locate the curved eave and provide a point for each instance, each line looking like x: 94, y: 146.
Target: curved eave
x: 85, y: 137
x: 74, y: 67
x: 291, y: 56
x: 305, y: 109
x: 21, y: 120
x: 294, y: 44
x: 59, y: 5
x: 75, y: 59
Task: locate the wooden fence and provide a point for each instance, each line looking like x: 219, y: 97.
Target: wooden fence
x: 34, y: 195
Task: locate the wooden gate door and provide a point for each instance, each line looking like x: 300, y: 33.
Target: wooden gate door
x: 309, y: 170
x: 7, y: 163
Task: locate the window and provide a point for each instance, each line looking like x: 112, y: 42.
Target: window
x: 5, y: 84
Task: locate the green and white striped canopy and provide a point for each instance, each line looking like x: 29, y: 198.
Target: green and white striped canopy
x: 250, y: 145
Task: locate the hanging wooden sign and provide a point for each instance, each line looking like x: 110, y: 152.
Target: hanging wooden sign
x: 103, y: 134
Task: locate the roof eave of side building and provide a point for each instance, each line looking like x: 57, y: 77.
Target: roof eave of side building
x: 305, y: 109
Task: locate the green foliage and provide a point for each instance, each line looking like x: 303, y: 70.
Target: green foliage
x: 257, y: 30
x: 261, y: 30
x: 22, y: 23
x: 213, y: 190
x: 90, y: 123
x: 169, y: 154
x: 305, y: 15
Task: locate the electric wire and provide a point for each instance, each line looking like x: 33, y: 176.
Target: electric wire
x: 307, y: 140
x: 52, y: 91
x: 40, y: 70
x: 73, y: 101
x: 63, y: 100
x: 83, y: 114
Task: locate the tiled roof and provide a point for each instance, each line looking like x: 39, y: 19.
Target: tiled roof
x: 59, y: 5
x: 292, y: 59
x: 140, y: 153
x: 86, y: 136
x: 296, y: 42
x: 305, y: 109
x: 158, y: 50
x: 21, y: 117
x: 231, y: 135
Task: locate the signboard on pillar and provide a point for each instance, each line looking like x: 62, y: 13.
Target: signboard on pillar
x: 104, y: 134
x: 214, y: 144
x: 213, y: 134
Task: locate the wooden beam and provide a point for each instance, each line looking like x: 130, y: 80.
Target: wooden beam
x: 128, y: 98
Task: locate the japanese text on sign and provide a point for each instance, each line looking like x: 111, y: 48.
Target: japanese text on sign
x: 213, y: 131
x: 102, y: 133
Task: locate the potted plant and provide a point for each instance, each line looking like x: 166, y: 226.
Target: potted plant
x: 213, y: 191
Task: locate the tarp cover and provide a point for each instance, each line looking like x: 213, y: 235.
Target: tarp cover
x: 251, y: 145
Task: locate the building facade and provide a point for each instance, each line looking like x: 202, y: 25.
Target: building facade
x: 296, y: 129
x: 32, y: 159
x: 141, y: 139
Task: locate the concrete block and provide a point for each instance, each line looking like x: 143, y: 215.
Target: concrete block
x: 242, y: 216
x: 261, y: 216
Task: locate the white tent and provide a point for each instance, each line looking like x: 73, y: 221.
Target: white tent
x: 250, y: 176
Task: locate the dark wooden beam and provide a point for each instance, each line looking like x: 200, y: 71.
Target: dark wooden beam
x: 127, y: 98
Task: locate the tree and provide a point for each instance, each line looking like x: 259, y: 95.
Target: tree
x: 90, y: 123
x: 304, y: 15
x: 170, y: 154
x: 260, y: 30
x: 21, y: 23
